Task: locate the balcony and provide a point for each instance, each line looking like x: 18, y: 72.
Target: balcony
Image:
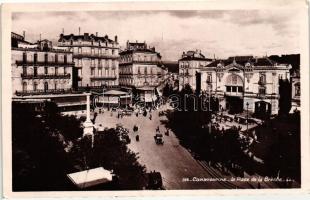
x: 233, y: 94
x: 95, y: 55
x: 260, y: 82
x: 45, y: 76
x: 94, y: 78
x: 43, y: 92
x: 146, y: 62
x: 43, y: 63
x: 267, y: 96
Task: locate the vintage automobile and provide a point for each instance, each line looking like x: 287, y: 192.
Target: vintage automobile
x: 159, y: 139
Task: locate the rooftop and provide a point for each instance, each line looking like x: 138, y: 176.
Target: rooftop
x: 194, y: 55
x: 242, y: 60
x: 86, y: 37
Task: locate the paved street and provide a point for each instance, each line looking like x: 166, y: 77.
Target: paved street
x: 171, y: 159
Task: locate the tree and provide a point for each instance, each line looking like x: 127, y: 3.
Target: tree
x: 285, y: 100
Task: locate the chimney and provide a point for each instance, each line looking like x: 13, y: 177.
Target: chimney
x: 79, y: 30
x: 63, y: 31
x: 86, y: 36
x: 115, y: 39
x: 96, y: 34
x: 24, y: 34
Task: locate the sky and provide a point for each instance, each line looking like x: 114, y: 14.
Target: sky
x: 217, y: 33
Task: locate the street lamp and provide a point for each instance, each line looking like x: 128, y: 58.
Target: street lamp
x: 247, y: 116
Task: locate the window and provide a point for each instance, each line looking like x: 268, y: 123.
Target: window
x: 55, y: 85
x: 25, y: 70
x: 297, y: 89
x: 209, y: 79
x: 45, y: 70
x: 262, y: 90
x: 56, y: 58
x: 35, y: 71
x: 45, y: 58
x: 145, y: 70
x: 234, y: 89
x: 45, y: 86
x: 35, y: 58
x: 92, y: 71
x: 71, y: 42
x: 113, y: 51
x: 35, y: 86
x: 262, y: 79
x: 240, y: 89
x: 65, y: 70
x: 65, y: 58
x: 24, y: 57
x: 24, y: 86
x: 228, y: 88
x: 56, y: 70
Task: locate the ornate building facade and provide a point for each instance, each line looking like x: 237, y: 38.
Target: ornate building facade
x: 95, y: 58
x: 244, y: 83
x: 189, y: 64
x: 141, y: 67
x: 40, y: 68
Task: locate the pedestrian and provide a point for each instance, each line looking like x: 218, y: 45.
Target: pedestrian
x: 157, y: 129
x: 167, y: 132
x: 150, y: 117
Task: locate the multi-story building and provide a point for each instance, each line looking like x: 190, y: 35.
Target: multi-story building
x: 95, y: 58
x: 141, y: 68
x: 295, y: 81
x: 244, y: 83
x: 43, y: 72
x: 40, y: 68
x: 190, y: 63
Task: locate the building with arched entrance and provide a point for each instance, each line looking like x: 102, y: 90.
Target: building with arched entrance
x: 244, y: 82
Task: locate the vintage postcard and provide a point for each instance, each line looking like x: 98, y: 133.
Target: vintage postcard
x: 159, y: 98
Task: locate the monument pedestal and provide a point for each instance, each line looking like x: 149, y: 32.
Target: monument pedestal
x: 88, y: 128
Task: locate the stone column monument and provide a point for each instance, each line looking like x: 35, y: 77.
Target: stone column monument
x: 88, y: 124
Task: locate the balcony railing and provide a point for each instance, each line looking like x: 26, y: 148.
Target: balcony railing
x: 261, y: 82
x: 234, y: 94
x: 97, y: 88
x: 150, y: 62
x: 43, y: 63
x: 95, y: 55
x: 103, y: 78
x: 45, y: 76
x: 43, y: 92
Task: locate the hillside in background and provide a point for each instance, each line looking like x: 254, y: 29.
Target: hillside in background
x: 172, y: 66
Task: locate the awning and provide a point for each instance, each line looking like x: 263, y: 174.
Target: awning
x: 115, y: 92
x: 91, y: 177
